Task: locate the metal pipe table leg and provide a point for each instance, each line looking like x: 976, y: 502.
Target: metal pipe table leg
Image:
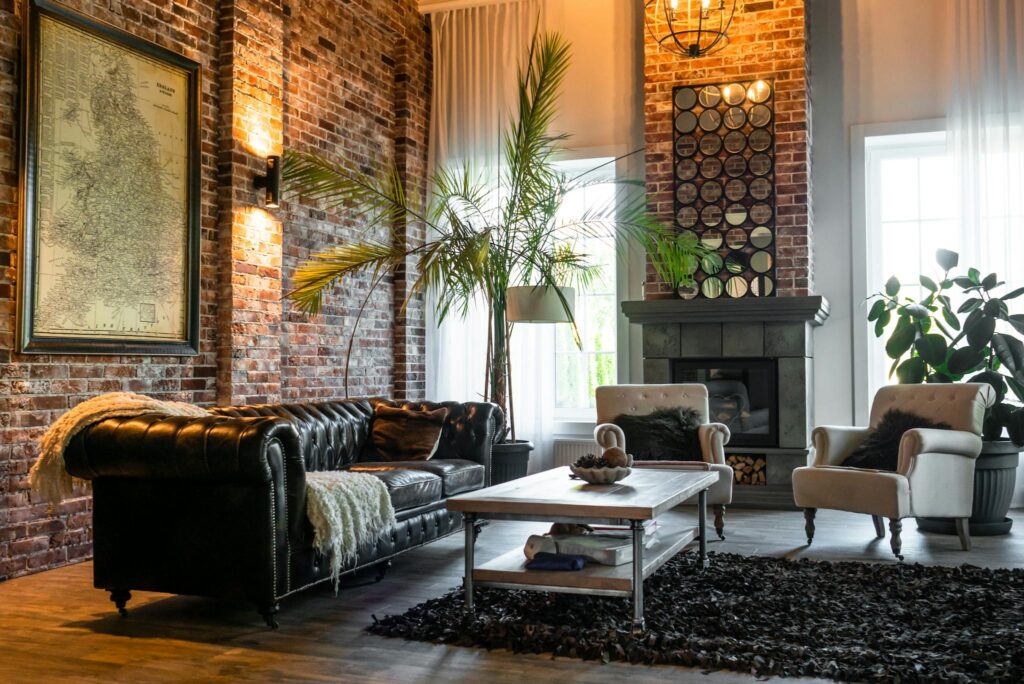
x: 469, y: 520
x: 637, y: 527
x: 702, y: 527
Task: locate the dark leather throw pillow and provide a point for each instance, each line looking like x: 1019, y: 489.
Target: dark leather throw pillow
x: 663, y: 435
x: 400, y: 434
x: 881, y: 450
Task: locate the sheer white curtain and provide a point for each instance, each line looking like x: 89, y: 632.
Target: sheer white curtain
x: 477, y: 51
x: 986, y: 132
x: 986, y: 140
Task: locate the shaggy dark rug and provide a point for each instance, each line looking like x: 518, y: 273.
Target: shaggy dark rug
x: 763, y: 616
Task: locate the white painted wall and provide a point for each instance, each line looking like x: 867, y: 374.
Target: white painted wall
x: 872, y: 61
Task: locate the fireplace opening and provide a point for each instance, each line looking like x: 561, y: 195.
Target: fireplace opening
x: 742, y: 394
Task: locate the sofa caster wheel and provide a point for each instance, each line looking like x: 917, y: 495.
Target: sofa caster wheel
x: 382, y: 570
x: 270, y: 615
x: 121, y: 597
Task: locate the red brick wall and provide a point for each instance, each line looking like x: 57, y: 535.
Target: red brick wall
x: 767, y: 40
x: 345, y: 79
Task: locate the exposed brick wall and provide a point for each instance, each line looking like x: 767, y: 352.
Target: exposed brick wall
x: 767, y: 40
x: 343, y: 78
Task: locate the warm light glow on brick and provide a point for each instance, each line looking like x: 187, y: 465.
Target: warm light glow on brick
x: 258, y: 131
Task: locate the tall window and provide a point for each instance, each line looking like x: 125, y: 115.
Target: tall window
x: 579, y: 371
x: 913, y: 208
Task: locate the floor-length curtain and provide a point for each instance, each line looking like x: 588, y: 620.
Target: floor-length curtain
x: 986, y: 137
x: 477, y: 51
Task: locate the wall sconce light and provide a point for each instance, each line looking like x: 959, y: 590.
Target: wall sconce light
x: 270, y: 182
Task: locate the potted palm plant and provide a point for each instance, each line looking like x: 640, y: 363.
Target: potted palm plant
x: 489, y: 236
x: 930, y: 341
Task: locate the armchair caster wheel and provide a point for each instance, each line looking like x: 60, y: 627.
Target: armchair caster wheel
x: 269, y: 614
x: 719, y: 510
x: 121, y: 597
x: 895, y: 542
x: 382, y: 570
x: 809, y: 514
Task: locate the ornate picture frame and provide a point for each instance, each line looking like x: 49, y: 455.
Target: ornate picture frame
x: 110, y: 190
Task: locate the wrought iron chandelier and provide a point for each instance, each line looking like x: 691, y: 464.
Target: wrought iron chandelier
x: 700, y: 28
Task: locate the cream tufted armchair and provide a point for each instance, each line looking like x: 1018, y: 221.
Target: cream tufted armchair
x: 615, y: 400
x: 935, y: 473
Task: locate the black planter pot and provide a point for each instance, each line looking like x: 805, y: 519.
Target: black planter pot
x: 510, y: 460
x: 994, y: 477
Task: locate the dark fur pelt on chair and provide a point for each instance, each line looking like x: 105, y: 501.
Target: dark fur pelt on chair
x: 881, y: 450
x: 663, y: 435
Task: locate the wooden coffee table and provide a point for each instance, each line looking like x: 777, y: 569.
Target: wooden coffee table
x: 551, y: 496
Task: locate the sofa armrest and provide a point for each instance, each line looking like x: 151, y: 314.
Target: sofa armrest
x: 923, y: 441
x: 832, y: 443
x: 713, y: 438
x: 179, y: 447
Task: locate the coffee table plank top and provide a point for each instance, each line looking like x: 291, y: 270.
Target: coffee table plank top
x: 644, y: 495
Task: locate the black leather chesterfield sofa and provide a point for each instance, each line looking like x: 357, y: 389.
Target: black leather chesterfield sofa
x: 215, y: 506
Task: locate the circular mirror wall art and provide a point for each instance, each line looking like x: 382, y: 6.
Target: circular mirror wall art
x: 760, y: 164
x: 711, y: 215
x: 710, y: 96
x: 761, y: 262
x: 760, y: 139
x: 762, y: 286
x: 686, y: 122
x: 711, y: 239
x: 734, y: 118
x: 687, y: 217
x: 711, y: 288
x: 686, y: 193
x: 736, y: 238
x: 760, y: 188
x: 710, y: 144
x: 735, y: 141
x: 711, y: 191
x: 685, y: 98
x: 735, y: 215
x: 733, y: 94
x: 761, y: 237
x: 736, y: 286
x: 760, y: 213
x: 735, y: 190
x: 686, y: 169
x: 686, y: 146
x: 710, y: 120
x: 724, y: 154
x: 760, y: 116
x: 712, y: 263
x: 711, y: 167
x: 735, y: 165
x: 759, y: 91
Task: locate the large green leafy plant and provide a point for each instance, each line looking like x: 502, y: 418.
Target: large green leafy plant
x: 930, y: 341
x: 486, y: 232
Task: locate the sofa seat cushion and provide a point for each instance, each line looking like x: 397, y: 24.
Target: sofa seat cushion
x: 456, y: 475
x: 409, y: 488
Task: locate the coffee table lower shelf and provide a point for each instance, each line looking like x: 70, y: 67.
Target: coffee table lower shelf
x: 508, y: 571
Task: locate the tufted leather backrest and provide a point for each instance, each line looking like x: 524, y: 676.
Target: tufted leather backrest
x: 959, y: 405
x: 615, y: 400
x: 331, y: 433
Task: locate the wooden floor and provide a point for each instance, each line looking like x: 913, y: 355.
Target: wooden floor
x: 55, y: 626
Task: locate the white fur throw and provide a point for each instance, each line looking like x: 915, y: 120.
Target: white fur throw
x: 48, y: 478
x: 347, y: 510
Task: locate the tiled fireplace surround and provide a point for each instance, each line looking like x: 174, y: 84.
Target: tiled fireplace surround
x: 779, y: 329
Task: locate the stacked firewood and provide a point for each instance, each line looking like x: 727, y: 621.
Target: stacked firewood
x: 748, y: 470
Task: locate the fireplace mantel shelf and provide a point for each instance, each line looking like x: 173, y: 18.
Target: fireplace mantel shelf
x: 814, y: 310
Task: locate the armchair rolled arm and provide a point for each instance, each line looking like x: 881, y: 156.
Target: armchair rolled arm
x: 179, y: 447
x: 832, y: 443
x: 920, y: 441
x: 713, y: 438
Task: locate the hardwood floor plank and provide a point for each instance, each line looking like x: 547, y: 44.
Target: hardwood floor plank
x: 55, y: 626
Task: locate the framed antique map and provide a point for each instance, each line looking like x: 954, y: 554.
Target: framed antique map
x: 110, y: 191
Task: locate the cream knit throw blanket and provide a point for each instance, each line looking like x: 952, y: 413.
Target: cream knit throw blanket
x: 48, y: 478
x: 347, y: 510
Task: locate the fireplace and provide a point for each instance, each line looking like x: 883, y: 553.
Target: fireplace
x: 742, y: 395
x: 756, y: 358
